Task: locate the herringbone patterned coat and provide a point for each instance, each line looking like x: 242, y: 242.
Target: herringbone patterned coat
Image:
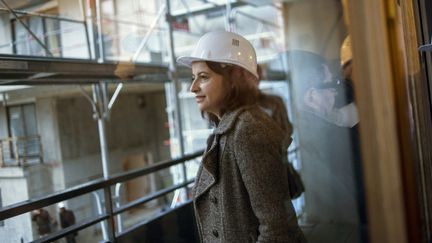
x: 241, y: 191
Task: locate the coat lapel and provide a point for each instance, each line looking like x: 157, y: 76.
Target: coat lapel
x: 207, y: 175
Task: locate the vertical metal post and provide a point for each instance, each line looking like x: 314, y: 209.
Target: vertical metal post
x: 100, y: 211
x: 176, y: 86
x: 95, y: 27
x: 100, y: 115
x: 86, y: 29
x: 228, y: 18
x: 100, y: 100
x: 117, y: 196
x: 109, y: 209
x: 99, y: 31
x: 1, y: 154
x: 45, y: 35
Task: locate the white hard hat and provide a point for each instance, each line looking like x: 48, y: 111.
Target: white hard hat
x: 61, y: 205
x: 223, y: 47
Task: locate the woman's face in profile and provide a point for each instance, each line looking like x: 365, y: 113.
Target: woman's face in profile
x: 209, y: 88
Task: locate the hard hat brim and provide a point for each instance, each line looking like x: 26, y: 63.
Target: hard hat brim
x: 187, y: 61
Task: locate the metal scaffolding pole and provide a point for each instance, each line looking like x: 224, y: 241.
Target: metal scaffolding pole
x: 176, y: 87
x: 100, y: 101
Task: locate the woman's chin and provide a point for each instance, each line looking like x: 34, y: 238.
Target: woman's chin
x: 202, y: 108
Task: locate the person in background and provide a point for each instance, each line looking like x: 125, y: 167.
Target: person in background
x: 274, y: 106
x: 344, y: 111
x: 241, y: 190
x: 43, y: 220
x: 67, y: 218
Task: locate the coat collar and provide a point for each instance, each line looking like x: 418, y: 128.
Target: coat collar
x: 208, y: 173
x: 228, y: 120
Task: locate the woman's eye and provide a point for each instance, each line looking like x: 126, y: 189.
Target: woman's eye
x: 203, y: 79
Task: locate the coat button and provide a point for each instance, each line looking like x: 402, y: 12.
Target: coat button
x: 213, y: 200
x: 215, y: 233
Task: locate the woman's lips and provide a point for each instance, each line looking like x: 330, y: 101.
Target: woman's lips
x: 199, y: 98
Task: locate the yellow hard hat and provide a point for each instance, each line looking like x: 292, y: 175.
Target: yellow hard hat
x: 346, y: 51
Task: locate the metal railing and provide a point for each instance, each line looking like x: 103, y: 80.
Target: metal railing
x: 110, y: 208
x: 21, y: 151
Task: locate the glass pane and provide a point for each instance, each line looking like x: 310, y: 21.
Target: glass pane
x: 29, y: 115
x: 5, y: 29
x: 31, y: 143
x: 35, y: 24
x: 53, y: 36
x: 325, y: 114
x: 16, y: 122
x: 133, y: 31
x: 22, y: 39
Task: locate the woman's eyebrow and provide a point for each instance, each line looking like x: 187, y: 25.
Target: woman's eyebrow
x: 202, y: 72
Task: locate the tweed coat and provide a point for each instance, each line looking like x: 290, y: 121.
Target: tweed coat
x: 241, y: 190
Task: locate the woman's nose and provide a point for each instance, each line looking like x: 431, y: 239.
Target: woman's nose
x: 193, y: 87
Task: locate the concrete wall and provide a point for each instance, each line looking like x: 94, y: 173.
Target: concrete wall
x: 46, y: 115
x: 39, y: 180
x: 13, y: 185
x: 136, y: 125
x: 134, y: 121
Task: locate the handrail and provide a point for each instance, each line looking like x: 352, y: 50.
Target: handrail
x: 32, y: 204
x: 151, y: 196
x: 29, y: 205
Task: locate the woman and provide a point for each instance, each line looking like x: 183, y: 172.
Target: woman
x: 241, y: 190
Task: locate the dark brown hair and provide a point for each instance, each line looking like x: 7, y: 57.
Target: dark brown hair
x: 242, y: 84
